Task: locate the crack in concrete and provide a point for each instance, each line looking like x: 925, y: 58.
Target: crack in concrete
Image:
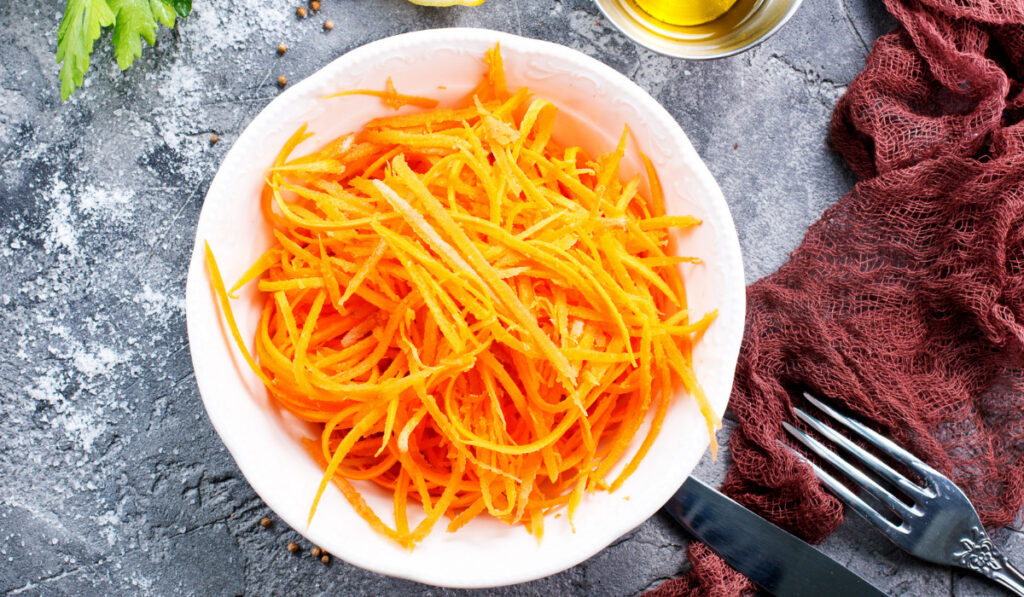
x: 175, y: 383
x: 827, y: 91
x: 808, y: 73
x: 199, y: 493
x: 622, y: 540
x: 658, y: 544
x: 636, y: 70
x: 7, y: 156
x: 176, y: 351
x: 655, y: 582
x: 235, y: 100
x: 205, y: 525
x: 196, y: 132
x: 57, y: 576
x: 244, y: 114
x: 519, y: 16
x: 167, y: 230
x: 853, y: 26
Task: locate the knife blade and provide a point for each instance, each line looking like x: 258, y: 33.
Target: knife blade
x: 775, y: 560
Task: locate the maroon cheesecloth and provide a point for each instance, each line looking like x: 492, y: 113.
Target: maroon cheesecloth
x: 905, y: 301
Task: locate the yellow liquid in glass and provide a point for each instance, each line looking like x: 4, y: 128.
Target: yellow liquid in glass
x: 685, y: 13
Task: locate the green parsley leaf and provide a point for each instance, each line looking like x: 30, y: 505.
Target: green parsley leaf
x: 162, y: 12
x: 182, y: 7
x: 82, y: 23
x: 133, y: 21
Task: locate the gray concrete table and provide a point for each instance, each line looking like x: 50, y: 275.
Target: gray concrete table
x: 112, y: 480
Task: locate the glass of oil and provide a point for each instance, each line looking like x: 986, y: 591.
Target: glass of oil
x: 698, y: 29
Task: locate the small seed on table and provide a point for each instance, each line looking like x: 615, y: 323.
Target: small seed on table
x: 293, y: 547
x: 281, y: 49
x: 301, y: 11
x: 264, y: 522
x: 282, y: 81
x: 317, y: 552
x: 328, y: 25
x: 325, y: 558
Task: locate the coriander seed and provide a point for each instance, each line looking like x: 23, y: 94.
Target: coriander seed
x: 282, y: 81
x: 214, y: 139
x: 264, y: 522
x: 293, y: 547
x: 281, y: 49
x: 325, y: 558
x: 315, y: 6
x: 328, y: 25
x: 301, y: 11
x: 317, y: 552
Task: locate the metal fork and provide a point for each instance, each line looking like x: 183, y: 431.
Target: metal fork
x: 935, y: 521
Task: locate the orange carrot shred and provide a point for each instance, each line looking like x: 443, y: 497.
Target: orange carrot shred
x: 391, y: 97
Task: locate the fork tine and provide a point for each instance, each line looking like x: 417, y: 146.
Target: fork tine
x: 870, y: 485
x: 871, y: 461
x: 851, y: 499
x: 881, y: 442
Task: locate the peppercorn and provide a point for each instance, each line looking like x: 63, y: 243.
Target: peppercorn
x: 214, y: 139
x: 281, y: 49
x: 293, y: 547
x: 328, y: 25
x: 264, y: 522
x: 301, y: 11
x: 314, y: 5
x: 325, y: 559
x: 282, y: 81
x: 317, y: 552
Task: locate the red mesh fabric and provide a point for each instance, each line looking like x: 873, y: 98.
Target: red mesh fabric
x: 905, y: 302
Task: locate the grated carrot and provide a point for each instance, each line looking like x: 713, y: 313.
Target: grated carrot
x: 478, y: 319
x: 391, y: 97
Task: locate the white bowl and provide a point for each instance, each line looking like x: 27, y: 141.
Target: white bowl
x: 265, y: 441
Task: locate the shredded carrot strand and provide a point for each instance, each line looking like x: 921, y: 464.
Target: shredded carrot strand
x: 391, y: 97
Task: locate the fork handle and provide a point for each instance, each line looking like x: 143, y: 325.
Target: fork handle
x: 981, y: 555
x: 1008, y: 576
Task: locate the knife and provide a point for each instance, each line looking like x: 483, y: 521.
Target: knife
x: 776, y: 561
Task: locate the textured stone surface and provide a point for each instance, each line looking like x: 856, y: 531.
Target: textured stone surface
x: 112, y: 480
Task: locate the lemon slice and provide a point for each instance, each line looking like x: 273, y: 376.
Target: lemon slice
x: 685, y: 12
x: 447, y: 2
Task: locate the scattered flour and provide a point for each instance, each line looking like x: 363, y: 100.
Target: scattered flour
x: 45, y: 389
x: 62, y: 233
x: 75, y: 209
x: 158, y: 304
x: 108, y: 522
x: 80, y: 408
x: 184, y: 80
x: 84, y: 426
x: 107, y: 203
x: 138, y: 580
x: 218, y: 30
x: 71, y: 363
x: 181, y: 87
x: 100, y: 362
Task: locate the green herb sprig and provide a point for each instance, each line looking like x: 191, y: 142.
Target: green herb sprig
x: 133, y: 21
